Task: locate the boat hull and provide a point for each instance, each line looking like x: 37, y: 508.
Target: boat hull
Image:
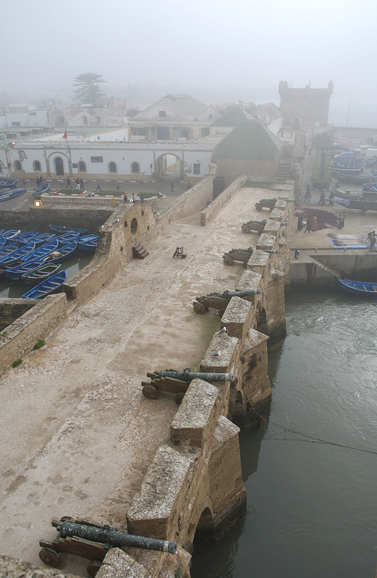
x: 358, y: 288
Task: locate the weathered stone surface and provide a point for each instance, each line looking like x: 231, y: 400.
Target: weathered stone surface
x: 198, y: 413
x: 249, y: 280
x: 118, y: 564
x: 13, y: 568
x: 258, y: 261
x: 225, y: 346
x: 266, y: 242
x: 237, y: 317
x: 160, y: 494
x: 277, y: 215
x: 272, y: 227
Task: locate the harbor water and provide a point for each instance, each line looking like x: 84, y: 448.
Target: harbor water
x: 310, y: 471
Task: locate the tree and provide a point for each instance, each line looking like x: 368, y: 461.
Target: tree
x: 88, y: 90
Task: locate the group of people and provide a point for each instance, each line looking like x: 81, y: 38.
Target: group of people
x: 311, y: 223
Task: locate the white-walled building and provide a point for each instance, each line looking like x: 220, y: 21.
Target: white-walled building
x: 23, y: 116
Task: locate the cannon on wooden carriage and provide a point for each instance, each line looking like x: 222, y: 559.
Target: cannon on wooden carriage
x: 92, y: 541
x: 254, y: 226
x: 265, y: 204
x: 177, y: 382
x: 242, y: 255
x: 220, y: 300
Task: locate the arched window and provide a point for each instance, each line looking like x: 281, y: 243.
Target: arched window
x: 135, y: 168
x: 113, y: 168
x: 82, y: 167
x: 17, y: 166
x: 37, y: 166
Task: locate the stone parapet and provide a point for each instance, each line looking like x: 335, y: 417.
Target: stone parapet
x: 272, y: 227
x: 237, y: 317
x: 195, y: 420
x: 266, y: 242
x: 210, y: 212
x: 277, y: 214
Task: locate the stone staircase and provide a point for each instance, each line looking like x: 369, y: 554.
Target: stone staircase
x: 139, y: 252
x: 284, y: 171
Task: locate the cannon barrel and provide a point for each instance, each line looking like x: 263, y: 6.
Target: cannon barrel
x: 111, y: 536
x: 190, y: 375
x: 246, y: 293
x: 271, y: 251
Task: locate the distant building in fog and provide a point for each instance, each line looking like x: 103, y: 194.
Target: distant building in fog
x: 305, y: 107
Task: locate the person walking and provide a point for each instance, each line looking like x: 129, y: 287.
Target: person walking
x: 171, y: 185
x: 125, y: 198
x: 69, y: 183
x: 314, y: 224
x: 299, y: 223
x: 82, y: 184
x: 77, y: 181
x: 98, y: 186
x: 372, y: 240
x: 308, y: 195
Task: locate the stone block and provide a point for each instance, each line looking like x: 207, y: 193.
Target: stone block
x: 272, y: 227
x: 117, y: 563
x: 220, y: 354
x: 277, y: 214
x: 237, y: 317
x: 266, y: 242
x: 197, y: 415
x: 258, y: 261
x: 163, y: 489
x: 249, y: 280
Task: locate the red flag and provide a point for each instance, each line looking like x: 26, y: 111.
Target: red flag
x: 65, y: 134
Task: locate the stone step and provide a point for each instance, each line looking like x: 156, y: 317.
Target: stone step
x: 139, y: 252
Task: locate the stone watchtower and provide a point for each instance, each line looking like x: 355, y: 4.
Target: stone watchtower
x: 303, y: 107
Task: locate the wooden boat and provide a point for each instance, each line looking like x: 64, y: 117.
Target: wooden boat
x: 2, y: 241
x: 7, y: 249
x: 352, y: 179
x: 42, y: 189
x: 16, y: 255
x: 26, y: 238
x: 87, y: 243
x: 358, y: 288
x: 11, y: 234
x: 42, y: 251
x: 68, y: 238
x: 40, y: 273
x: 337, y: 245
x: 43, y: 238
x: 343, y: 171
x: 15, y: 273
x: 63, y: 252
x: 5, y: 196
x: 60, y: 230
x: 8, y: 182
x: 373, y: 174
x: 48, y: 286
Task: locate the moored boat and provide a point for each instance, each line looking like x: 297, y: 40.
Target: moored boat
x: 2, y: 241
x: 63, y: 252
x: 42, y: 251
x: 60, y: 230
x: 43, y: 238
x: 15, y: 273
x: 8, y: 182
x: 24, y: 238
x: 68, y: 238
x: 87, y: 243
x: 16, y: 255
x: 42, y: 189
x: 7, y: 249
x: 48, y: 286
x: 11, y: 234
x: 6, y: 195
x: 40, y: 273
x: 358, y: 288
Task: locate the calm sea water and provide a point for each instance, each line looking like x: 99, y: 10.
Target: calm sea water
x: 312, y: 504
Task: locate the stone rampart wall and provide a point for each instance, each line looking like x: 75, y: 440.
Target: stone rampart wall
x: 213, y: 209
x: 12, y: 309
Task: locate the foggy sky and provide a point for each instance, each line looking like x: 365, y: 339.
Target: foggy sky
x: 215, y: 50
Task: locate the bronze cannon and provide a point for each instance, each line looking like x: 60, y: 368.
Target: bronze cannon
x: 242, y: 255
x: 220, y: 300
x: 254, y: 226
x: 265, y: 203
x: 177, y: 382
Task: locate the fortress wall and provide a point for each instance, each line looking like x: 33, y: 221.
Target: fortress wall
x: 12, y: 309
x: 213, y: 209
x: 32, y: 326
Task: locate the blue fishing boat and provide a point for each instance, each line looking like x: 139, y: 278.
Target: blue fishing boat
x: 43, y: 238
x: 6, y: 195
x: 63, y: 252
x: 60, y: 230
x: 8, y: 182
x: 40, y: 273
x: 87, y: 243
x: 373, y: 174
x: 42, y: 251
x: 11, y: 234
x: 16, y: 255
x: 48, y: 286
x: 26, y: 238
x: 336, y: 245
x: 40, y: 190
x: 15, y: 273
x: 2, y: 241
x: 6, y: 249
x: 68, y: 238
x: 358, y: 288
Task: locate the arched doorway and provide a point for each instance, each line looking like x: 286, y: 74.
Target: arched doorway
x: 59, y: 167
x: 168, y: 166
